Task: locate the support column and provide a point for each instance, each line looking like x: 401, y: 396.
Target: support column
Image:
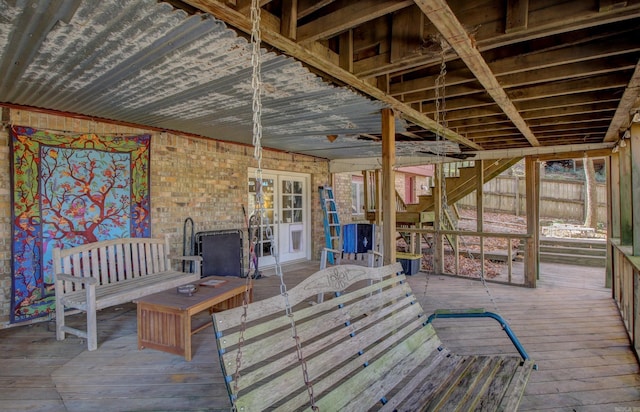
x: 532, y: 262
x: 366, y: 176
x: 378, y: 194
x: 389, y: 189
x: 479, y: 166
x: 634, y: 142
x: 626, y: 205
x: 614, y: 189
x: 438, y: 257
x: 608, y: 265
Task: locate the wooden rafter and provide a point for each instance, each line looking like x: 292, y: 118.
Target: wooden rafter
x: 627, y: 103
x: 349, y: 15
x: 555, y: 23
x: 442, y: 17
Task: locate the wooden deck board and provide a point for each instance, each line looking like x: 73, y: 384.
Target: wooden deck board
x: 569, y: 325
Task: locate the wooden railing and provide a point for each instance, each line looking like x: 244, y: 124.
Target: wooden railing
x: 453, y: 169
x: 625, y: 271
x: 511, y: 252
x: 401, y: 206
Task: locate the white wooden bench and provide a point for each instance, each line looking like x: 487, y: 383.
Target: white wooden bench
x: 98, y: 275
x: 370, y: 348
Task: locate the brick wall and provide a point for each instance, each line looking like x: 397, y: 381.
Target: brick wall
x: 190, y: 177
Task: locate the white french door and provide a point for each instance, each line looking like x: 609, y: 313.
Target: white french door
x: 286, y: 203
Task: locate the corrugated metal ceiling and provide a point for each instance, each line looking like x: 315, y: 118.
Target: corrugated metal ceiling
x: 144, y: 62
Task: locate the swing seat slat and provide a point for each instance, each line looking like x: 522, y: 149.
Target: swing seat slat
x: 369, y: 347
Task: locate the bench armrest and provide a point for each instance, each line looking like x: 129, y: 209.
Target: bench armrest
x: 184, y: 259
x: 76, y: 279
x: 481, y: 313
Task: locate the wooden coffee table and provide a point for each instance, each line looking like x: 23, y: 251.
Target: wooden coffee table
x: 165, y: 318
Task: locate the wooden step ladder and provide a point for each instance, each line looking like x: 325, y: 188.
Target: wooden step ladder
x: 330, y: 218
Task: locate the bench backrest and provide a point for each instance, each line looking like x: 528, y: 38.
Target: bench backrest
x: 115, y: 260
x: 378, y: 325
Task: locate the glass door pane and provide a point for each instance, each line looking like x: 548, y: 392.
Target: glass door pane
x: 263, y: 246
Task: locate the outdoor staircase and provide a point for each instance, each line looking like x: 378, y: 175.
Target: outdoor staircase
x: 581, y: 252
x: 460, y: 181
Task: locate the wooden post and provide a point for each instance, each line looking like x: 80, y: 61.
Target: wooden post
x: 516, y: 190
x: 479, y: 166
x: 634, y: 142
x: 626, y: 206
x: 389, y: 189
x: 614, y: 189
x: 367, y: 195
x: 532, y: 177
x: 438, y: 259
x: 613, y: 194
x: 378, y: 195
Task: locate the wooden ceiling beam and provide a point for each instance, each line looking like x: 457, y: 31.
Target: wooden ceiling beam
x: 538, y: 77
x: 621, y: 119
x: 569, y: 120
x: 551, y: 23
x: 575, y: 155
x: 519, y: 70
x: 559, y: 102
x: 487, y: 122
x: 442, y: 17
x: 289, y: 19
x: 582, y: 85
x: 536, y: 113
x: 307, y: 7
x: 569, y: 110
x: 480, y: 103
x: 321, y: 64
x: 570, y: 128
x: 350, y: 15
x: 372, y: 163
x: 598, y: 130
x: 517, y: 15
x: 243, y: 6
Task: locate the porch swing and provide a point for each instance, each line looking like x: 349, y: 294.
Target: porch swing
x: 370, y: 347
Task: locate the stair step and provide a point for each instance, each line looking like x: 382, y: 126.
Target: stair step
x: 580, y: 243
x: 580, y: 260
x: 573, y: 250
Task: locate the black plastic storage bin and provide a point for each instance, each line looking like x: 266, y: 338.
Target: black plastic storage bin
x: 410, y: 262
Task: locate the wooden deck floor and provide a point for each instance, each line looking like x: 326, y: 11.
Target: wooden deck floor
x: 569, y: 325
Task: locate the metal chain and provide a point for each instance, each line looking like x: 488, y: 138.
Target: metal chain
x: 256, y: 86
x: 441, y: 119
x: 439, y: 89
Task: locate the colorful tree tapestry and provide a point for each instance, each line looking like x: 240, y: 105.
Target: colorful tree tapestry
x: 69, y: 190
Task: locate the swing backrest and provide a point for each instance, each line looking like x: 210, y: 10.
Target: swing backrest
x: 368, y: 347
